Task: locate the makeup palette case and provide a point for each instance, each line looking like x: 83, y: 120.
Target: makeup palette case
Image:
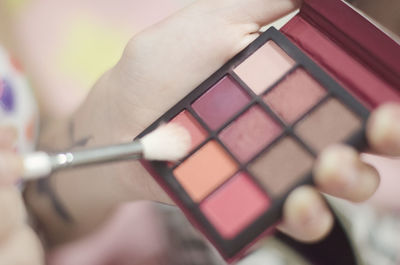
x: 259, y: 122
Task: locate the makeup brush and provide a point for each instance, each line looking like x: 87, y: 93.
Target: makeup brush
x: 169, y: 142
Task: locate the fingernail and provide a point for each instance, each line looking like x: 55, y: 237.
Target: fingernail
x: 307, y: 206
x: 383, y: 130
x: 306, y: 215
x: 367, y: 185
x: 313, y: 212
x: 338, y: 167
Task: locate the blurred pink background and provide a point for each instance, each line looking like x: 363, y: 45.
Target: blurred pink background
x: 67, y: 45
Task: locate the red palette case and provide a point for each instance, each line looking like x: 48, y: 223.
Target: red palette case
x: 259, y: 122
x: 364, y: 59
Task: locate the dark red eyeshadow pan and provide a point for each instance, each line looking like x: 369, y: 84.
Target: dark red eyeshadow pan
x: 221, y: 102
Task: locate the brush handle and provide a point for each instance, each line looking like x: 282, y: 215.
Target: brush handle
x: 41, y: 164
x: 113, y: 153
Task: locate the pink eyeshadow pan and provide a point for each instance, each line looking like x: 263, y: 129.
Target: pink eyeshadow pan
x: 235, y: 205
x: 295, y: 95
x: 264, y: 67
x: 221, y: 102
x: 250, y: 133
x: 197, y: 133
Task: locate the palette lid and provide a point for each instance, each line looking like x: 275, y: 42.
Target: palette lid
x: 357, y: 35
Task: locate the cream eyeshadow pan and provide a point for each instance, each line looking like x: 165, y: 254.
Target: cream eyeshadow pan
x: 257, y: 126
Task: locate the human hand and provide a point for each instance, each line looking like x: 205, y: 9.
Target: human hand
x: 18, y: 242
x: 160, y: 66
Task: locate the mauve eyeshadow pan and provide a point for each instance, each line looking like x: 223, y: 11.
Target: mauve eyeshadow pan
x: 295, y: 95
x: 221, y: 102
x: 282, y: 166
x: 250, y: 133
x: 331, y: 123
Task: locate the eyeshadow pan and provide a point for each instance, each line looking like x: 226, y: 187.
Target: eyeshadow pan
x: 282, y: 166
x: 197, y: 133
x: 235, y: 205
x: 205, y: 170
x: 332, y: 122
x: 295, y: 95
x: 250, y: 133
x: 221, y: 102
x: 264, y: 67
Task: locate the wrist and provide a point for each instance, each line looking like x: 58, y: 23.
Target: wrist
x: 74, y: 202
x: 98, y: 121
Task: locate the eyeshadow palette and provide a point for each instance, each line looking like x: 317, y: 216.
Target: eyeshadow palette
x: 257, y: 125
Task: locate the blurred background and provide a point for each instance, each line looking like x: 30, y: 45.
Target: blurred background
x: 67, y: 45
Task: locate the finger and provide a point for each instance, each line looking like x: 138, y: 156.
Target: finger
x: 22, y: 248
x: 383, y: 129
x: 340, y: 172
x: 243, y: 17
x: 207, y: 31
x: 84, y: 252
x: 8, y: 137
x: 261, y: 12
x: 12, y: 211
x: 11, y: 168
x: 306, y: 216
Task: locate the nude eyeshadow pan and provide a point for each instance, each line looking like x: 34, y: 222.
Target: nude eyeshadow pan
x: 257, y: 125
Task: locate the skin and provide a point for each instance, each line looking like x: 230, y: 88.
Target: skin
x: 73, y: 204
x: 15, y: 233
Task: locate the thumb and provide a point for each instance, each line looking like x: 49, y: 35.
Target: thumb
x: 84, y: 252
x: 133, y: 235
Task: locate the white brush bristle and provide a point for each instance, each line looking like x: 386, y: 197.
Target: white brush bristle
x: 36, y: 165
x: 169, y: 142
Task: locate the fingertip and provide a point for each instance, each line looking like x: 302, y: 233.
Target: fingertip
x: 383, y: 129
x: 306, y: 216
x: 334, y: 168
x: 340, y: 172
x: 369, y: 184
x: 11, y: 168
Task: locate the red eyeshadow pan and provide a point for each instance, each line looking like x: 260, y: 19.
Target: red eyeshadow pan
x: 250, y: 133
x: 197, y: 133
x: 235, y: 205
x: 221, y: 102
x: 295, y: 95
